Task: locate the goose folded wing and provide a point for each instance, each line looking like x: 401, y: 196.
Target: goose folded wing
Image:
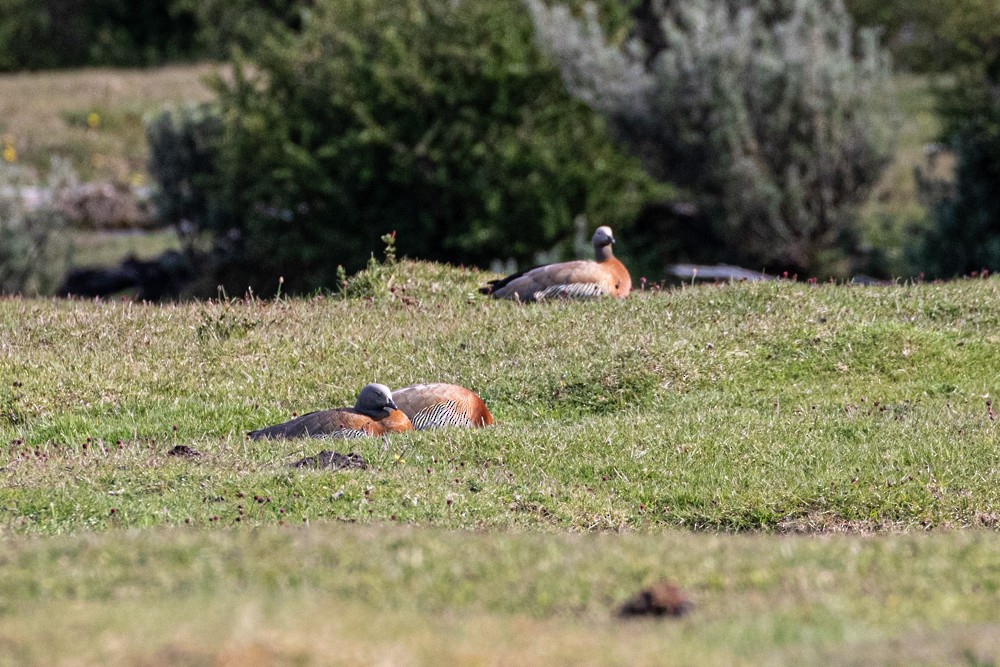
x: 324, y: 423
x: 580, y: 279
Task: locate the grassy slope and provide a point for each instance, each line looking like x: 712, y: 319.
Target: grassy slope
x: 727, y: 407
x: 779, y: 407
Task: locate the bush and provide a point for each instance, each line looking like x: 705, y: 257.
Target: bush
x: 184, y: 144
x: 34, y: 246
x: 45, y: 34
x: 910, y: 30
x: 440, y: 121
x: 776, y: 119
x: 227, y: 24
x: 22, y: 26
x: 964, y: 234
x: 39, y: 34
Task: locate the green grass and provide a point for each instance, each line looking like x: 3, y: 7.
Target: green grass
x: 328, y: 593
x: 778, y: 449
x: 735, y: 407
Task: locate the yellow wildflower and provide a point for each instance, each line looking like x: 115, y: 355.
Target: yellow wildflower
x: 93, y: 120
x: 9, y: 153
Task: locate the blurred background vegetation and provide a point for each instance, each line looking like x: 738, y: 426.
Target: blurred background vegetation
x: 282, y: 139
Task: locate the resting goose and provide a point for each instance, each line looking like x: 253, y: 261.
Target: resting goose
x: 581, y: 279
x: 374, y: 413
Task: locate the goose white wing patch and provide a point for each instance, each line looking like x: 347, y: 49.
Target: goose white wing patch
x: 345, y: 434
x: 571, y: 291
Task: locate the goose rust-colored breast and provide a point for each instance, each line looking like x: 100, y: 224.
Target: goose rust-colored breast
x: 336, y: 423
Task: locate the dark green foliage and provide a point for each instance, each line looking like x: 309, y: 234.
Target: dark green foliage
x: 225, y: 24
x: 930, y: 36
x: 965, y: 232
x: 39, y: 34
x: 22, y: 24
x: 183, y: 159
x: 910, y: 30
x: 439, y: 121
x: 73, y: 33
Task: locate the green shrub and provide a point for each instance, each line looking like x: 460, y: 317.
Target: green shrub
x: 184, y: 144
x: 23, y: 24
x: 34, y: 246
x: 440, y: 121
x: 910, y: 30
x: 39, y: 34
x: 775, y: 118
x: 964, y: 234
x: 227, y: 24
x: 45, y: 34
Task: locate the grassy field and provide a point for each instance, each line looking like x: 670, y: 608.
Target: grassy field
x: 93, y: 117
x: 337, y: 594
x: 816, y: 465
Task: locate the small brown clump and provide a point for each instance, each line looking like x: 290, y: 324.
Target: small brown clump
x: 183, y: 450
x: 660, y: 599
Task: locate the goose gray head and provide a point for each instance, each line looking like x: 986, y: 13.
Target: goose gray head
x: 602, y: 237
x: 603, y: 240
x: 375, y: 400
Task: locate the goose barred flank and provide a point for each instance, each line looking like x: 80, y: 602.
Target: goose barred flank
x: 435, y: 405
